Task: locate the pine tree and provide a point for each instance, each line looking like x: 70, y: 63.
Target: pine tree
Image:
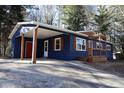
x: 74, y: 17
x: 10, y: 15
x: 103, y: 19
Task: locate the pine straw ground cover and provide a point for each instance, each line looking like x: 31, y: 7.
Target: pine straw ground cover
x: 114, y: 67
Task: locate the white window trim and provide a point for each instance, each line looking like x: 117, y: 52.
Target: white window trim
x: 100, y: 45
x: 81, y: 47
x: 97, y: 43
x: 109, y: 46
x: 55, y: 44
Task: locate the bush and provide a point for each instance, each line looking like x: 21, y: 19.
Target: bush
x: 120, y: 56
x: 8, y: 51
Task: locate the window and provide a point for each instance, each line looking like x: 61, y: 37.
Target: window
x: 80, y: 44
x: 57, y: 44
x: 46, y: 46
x: 99, y: 45
x: 108, y: 47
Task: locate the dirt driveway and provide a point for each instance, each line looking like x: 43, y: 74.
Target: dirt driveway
x: 55, y: 73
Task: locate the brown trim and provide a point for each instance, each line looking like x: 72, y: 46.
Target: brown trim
x: 22, y: 46
x: 53, y: 44
x: 74, y: 42
x: 62, y: 43
x: 99, y: 49
x: 34, y: 47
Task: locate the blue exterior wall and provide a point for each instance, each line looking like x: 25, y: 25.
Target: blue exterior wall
x: 16, y: 48
x: 68, y: 52
x: 73, y: 53
x: 40, y: 47
x: 16, y: 44
x: 109, y: 53
x: 63, y: 54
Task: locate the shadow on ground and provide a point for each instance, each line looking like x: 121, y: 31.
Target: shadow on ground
x: 65, y: 75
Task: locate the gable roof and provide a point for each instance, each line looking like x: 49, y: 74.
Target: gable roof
x: 50, y: 27
x: 19, y: 24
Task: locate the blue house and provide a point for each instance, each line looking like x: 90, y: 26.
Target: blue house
x: 36, y: 40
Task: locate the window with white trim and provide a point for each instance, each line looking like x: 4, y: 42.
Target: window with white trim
x: 99, y: 45
x: 57, y: 44
x: 108, y: 47
x: 80, y: 44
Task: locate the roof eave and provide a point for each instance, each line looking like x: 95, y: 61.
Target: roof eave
x: 44, y: 25
x: 14, y: 30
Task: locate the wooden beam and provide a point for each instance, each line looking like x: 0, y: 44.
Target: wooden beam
x: 90, y: 50
x: 34, y: 48
x: 22, y: 46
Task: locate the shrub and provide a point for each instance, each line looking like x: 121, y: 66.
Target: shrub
x: 120, y: 56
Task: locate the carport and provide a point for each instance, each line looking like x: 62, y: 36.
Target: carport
x: 37, y: 32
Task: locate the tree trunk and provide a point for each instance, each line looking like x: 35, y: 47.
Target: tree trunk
x: 123, y: 48
x: 4, y: 50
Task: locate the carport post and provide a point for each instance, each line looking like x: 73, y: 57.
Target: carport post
x: 34, y: 48
x: 22, y: 46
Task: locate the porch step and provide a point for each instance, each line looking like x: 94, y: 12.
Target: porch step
x: 99, y: 59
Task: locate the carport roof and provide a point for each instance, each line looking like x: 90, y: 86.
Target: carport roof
x: 45, y: 26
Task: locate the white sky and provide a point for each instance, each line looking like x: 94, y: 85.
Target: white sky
x: 62, y: 2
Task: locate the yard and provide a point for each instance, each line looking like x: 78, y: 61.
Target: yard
x: 115, y: 67
x: 56, y: 74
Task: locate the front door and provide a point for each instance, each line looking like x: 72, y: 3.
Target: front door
x: 28, y: 49
x: 46, y: 48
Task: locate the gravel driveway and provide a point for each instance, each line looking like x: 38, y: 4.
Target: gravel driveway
x: 55, y: 74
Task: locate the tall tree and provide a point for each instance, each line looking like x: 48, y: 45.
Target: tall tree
x: 10, y: 16
x: 103, y: 19
x: 45, y: 14
x: 75, y: 17
x: 118, y: 11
